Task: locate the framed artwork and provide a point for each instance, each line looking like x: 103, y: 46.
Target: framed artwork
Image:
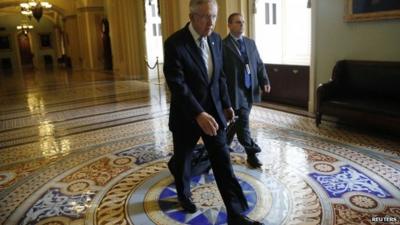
x: 4, y: 43
x: 45, y: 41
x: 367, y: 10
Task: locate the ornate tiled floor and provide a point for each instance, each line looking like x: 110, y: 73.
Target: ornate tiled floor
x: 86, y: 148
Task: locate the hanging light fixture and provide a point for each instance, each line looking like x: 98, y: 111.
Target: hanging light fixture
x: 25, y: 9
x: 25, y: 28
x: 34, y: 8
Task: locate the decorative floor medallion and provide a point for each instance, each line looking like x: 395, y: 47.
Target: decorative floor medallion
x: 149, y: 197
x: 161, y: 206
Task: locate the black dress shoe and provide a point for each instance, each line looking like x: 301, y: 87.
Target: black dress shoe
x: 243, y: 220
x: 253, y: 161
x: 187, y: 204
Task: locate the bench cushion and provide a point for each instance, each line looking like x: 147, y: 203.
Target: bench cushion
x: 389, y: 107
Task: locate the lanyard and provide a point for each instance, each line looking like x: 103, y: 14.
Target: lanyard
x: 247, y: 67
x: 236, y: 46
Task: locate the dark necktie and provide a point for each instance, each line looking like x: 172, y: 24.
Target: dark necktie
x: 243, y: 53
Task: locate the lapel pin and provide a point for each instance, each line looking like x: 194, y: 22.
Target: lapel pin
x: 212, y: 43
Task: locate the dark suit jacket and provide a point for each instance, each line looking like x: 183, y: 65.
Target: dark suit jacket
x: 187, y: 79
x: 234, y: 69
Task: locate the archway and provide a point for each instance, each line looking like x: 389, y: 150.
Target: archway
x: 25, y: 50
x: 153, y: 37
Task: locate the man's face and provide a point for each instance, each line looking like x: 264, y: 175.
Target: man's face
x: 203, y: 20
x: 236, y: 27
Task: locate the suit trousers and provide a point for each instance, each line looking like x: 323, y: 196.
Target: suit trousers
x: 243, y: 130
x: 218, y: 152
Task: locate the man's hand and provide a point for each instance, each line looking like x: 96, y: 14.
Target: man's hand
x: 207, y: 123
x: 267, y: 88
x: 229, y: 114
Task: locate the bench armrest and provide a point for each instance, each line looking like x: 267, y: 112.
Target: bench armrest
x: 325, y: 91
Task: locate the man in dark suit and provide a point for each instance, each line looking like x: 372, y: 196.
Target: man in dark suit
x: 200, y: 107
x: 246, y: 75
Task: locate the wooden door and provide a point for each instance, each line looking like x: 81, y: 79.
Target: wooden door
x: 25, y: 50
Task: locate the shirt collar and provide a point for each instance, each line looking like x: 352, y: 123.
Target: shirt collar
x: 195, y: 35
x: 236, y: 38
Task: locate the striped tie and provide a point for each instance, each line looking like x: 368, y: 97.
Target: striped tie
x: 204, y: 53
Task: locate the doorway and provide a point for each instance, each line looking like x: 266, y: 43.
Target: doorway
x: 153, y: 39
x: 283, y: 31
x: 105, y: 34
x: 283, y: 36
x: 25, y: 50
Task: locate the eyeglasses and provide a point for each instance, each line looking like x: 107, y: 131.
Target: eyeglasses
x: 206, y: 17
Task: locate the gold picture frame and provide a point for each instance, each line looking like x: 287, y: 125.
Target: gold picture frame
x: 368, y: 10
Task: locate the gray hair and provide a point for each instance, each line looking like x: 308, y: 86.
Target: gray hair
x: 194, y: 4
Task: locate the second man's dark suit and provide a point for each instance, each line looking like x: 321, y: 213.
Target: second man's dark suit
x: 192, y: 92
x: 242, y: 98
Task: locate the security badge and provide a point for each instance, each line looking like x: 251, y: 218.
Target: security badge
x: 247, y: 67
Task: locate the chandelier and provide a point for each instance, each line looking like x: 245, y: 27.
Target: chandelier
x: 25, y: 28
x: 34, y: 8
